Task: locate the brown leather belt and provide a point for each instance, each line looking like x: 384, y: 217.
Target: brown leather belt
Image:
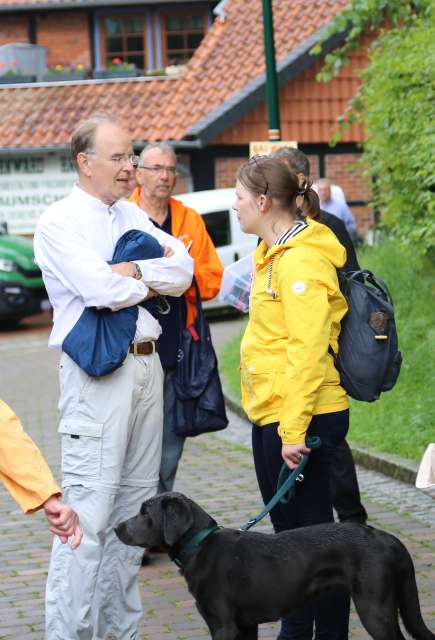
x: 143, y: 348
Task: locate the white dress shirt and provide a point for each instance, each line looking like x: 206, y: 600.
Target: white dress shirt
x: 74, y: 240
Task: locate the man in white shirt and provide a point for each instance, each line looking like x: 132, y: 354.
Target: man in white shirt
x: 336, y: 207
x: 111, y: 427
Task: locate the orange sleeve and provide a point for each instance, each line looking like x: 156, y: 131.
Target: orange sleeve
x: 23, y: 470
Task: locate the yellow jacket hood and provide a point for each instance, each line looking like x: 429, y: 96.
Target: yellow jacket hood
x: 311, y: 236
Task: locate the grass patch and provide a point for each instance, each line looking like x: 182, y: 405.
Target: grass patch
x: 402, y: 421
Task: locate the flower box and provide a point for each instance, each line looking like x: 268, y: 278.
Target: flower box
x: 60, y: 76
x: 14, y: 79
x: 100, y: 74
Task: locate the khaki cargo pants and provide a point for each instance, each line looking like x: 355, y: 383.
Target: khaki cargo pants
x: 111, y: 429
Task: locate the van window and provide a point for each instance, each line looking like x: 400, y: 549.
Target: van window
x: 218, y: 227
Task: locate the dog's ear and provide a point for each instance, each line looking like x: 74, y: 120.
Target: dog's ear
x: 177, y: 519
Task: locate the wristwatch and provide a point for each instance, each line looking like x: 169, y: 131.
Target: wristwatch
x: 138, y: 273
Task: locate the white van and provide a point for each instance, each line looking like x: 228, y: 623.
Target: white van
x: 215, y: 206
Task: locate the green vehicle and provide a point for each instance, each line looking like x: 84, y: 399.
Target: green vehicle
x: 22, y: 291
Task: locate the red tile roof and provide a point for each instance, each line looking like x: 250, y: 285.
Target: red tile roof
x: 231, y: 54
x: 45, y: 116
x: 228, y: 61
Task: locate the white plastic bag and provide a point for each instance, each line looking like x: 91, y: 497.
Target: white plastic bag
x: 426, y: 471
x: 236, y: 283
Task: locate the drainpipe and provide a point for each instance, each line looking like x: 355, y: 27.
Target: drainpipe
x: 272, y: 99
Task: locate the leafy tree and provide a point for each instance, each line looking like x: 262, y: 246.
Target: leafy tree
x: 397, y: 106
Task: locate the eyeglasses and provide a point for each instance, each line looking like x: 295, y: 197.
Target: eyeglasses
x: 119, y: 158
x: 159, y: 168
x: 254, y: 160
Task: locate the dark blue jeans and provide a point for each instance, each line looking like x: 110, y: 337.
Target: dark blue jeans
x: 312, y: 504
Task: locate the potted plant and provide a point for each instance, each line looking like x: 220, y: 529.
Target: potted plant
x: 117, y: 69
x: 60, y: 73
x: 10, y: 74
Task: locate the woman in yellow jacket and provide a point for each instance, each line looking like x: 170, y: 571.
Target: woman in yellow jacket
x: 28, y: 479
x: 290, y: 387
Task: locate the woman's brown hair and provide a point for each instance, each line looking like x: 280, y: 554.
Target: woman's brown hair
x: 267, y: 176
x: 264, y: 175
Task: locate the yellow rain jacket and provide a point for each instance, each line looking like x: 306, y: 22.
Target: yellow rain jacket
x: 295, y: 311
x: 23, y: 470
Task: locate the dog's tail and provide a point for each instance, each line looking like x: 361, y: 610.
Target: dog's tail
x: 407, y: 593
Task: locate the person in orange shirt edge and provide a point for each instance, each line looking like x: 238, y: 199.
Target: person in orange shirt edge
x: 27, y: 477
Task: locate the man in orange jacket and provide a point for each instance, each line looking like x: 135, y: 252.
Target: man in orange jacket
x: 156, y: 177
x: 28, y: 479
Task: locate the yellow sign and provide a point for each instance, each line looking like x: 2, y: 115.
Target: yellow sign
x: 264, y: 147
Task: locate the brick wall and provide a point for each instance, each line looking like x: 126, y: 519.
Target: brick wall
x: 13, y: 29
x: 314, y: 167
x: 66, y: 36
x: 225, y: 171
x: 340, y: 169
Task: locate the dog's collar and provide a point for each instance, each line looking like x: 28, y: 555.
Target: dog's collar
x: 193, y: 543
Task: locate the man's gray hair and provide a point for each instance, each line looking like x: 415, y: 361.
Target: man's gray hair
x: 163, y: 146
x: 83, y: 138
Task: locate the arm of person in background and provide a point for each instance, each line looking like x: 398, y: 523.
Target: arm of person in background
x: 29, y: 480
x: 338, y: 227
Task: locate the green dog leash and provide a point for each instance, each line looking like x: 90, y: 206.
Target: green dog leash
x: 286, y: 484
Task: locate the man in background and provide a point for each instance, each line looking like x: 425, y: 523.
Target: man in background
x: 156, y: 178
x: 336, y: 207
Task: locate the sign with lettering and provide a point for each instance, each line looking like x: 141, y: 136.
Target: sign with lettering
x: 29, y: 184
x: 264, y: 147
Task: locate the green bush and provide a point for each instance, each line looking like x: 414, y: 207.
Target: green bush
x: 402, y: 421
x: 396, y: 105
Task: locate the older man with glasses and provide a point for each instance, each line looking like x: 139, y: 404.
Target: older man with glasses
x: 156, y: 177
x: 111, y: 426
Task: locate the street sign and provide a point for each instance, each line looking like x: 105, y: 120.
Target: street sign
x: 264, y: 147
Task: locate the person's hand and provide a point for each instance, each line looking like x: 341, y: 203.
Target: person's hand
x: 292, y: 454
x: 127, y: 269
x: 167, y: 252
x: 64, y: 522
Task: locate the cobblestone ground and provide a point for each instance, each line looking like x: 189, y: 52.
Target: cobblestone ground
x: 216, y: 471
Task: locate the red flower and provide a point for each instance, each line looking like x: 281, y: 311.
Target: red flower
x: 116, y: 61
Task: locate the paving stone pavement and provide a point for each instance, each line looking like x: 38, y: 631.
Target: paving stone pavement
x: 216, y: 471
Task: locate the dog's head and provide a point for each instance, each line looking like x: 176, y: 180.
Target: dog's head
x: 164, y: 521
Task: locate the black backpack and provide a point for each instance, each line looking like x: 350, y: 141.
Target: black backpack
x: 368, y: 358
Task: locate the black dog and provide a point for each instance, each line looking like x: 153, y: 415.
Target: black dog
x: 241, y: 579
